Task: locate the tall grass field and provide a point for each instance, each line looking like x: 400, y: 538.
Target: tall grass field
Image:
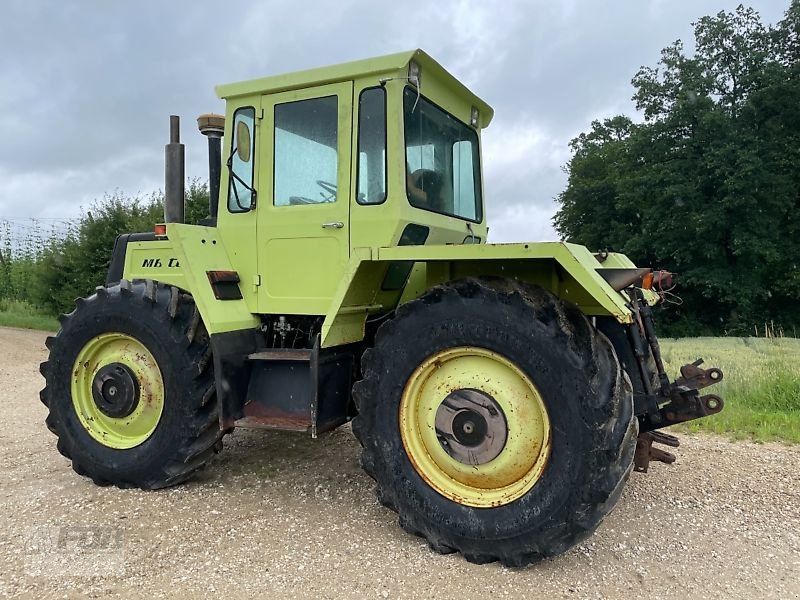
x: 761, y: 386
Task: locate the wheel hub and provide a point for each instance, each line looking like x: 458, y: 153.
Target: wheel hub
x: 471, y: 426
x: 115, y: 390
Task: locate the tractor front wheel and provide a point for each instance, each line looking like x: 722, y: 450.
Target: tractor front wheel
x: 495, y: 420
x: 129, y: 385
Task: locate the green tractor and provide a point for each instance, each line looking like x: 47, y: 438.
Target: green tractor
x: 502, y: 394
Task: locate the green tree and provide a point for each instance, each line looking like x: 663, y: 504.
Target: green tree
x: 707, y: 185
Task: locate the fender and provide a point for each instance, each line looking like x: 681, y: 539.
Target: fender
x: 568, y: 270
x: 184, y: 258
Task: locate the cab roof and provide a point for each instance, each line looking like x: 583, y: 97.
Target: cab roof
x: 381, y: 65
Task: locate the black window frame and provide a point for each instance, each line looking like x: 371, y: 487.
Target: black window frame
x: 385, y: 148
x: 478, y: 182
x: 397, y: 273
x: 233, y: 207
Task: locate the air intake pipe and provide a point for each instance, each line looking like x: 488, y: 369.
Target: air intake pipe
x: 213, y: 126
x: 174, y: 174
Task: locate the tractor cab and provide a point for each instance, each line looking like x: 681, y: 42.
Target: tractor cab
x: 369, y: 154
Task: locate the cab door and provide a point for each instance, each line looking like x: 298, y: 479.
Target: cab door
x: 304, y: 210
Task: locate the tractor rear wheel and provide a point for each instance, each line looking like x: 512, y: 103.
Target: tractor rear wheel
x: 129, y: 385
x: 496, y: 421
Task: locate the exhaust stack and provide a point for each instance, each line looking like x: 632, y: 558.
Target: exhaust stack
x: 174, y: 174
x: 213, y: 126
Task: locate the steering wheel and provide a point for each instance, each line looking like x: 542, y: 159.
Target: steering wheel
x: 328, y: 187
x: 295, y: 200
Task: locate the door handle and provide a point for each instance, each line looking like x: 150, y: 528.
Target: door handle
x: 333, y: 225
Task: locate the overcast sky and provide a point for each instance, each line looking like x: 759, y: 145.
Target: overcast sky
x: 86, y: 87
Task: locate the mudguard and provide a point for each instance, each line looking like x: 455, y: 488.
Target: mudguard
x: 568, y: 270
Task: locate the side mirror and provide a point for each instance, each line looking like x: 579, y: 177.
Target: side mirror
x: 243, y: 141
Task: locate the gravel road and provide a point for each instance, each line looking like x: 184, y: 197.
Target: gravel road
x: 282, y: 516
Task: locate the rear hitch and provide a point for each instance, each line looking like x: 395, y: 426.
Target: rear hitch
x: 693, y: 376
x: 666, y: 403
x: 684, y: 403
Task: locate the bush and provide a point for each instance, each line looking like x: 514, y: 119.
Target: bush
x: 53, y: 270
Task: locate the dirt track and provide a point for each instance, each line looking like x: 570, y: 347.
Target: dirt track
x: 283, y: 516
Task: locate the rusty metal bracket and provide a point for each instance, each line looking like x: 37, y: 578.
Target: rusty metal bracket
x: 645, y: 452
x: 684, y: 403
x: 668, y: 403
x: 692, y: 376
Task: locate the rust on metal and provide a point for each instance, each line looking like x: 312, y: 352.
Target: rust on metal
x: 284, y: 423
x: 645, y: 452
x: 683, y: 403
x: 692, y: 376
x: 662, y: 280
x: 282, y: 354
x: 256, y: 415
x: 667, y: 403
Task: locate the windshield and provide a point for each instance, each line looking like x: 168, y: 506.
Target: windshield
x: 442, y: 164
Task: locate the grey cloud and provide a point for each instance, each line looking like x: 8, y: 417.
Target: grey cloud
x: 86, y: 87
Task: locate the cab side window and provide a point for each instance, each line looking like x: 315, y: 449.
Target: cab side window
x: 241, y: 163
x: 372, y: 146
x: 306, y: 157
x: 464, y: 180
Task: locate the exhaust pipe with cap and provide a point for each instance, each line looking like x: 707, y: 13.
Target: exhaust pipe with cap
x: 213, y: 126
x: 174, y: 174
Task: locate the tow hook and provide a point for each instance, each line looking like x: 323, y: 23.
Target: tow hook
x: 682, y: 404
x: 645, y: 451
x: 685, y: 403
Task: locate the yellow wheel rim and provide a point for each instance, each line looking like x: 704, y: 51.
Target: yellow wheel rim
x: 117, y: 390
x: 508, y: 457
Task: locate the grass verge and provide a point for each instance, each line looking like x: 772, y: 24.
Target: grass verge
x: 21, y: 314
x: 761, y: 387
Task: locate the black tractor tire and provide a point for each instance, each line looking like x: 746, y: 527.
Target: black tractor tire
x: 167, y: 322
x: 587, y: 397
x: 620, y: 339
